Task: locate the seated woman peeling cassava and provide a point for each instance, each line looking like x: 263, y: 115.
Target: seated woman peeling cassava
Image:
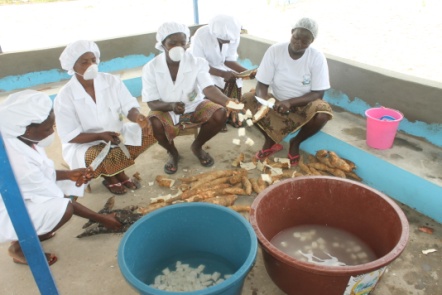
x: 178, y: 90
x: 27, y: 126
x: 89, y: 111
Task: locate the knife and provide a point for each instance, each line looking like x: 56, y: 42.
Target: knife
x: 101, y: 156
x: 265, y: 102
x: 123, y: 147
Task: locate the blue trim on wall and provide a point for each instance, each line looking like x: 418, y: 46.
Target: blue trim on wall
x: 28, y: 80
x: 430, y: 132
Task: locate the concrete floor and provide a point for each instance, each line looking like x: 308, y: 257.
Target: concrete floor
x: 89, y: 265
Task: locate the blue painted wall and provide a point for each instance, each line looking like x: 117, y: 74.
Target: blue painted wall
x: 430, y: 132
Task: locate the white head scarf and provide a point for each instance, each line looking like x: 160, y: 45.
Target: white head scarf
x: 73, y: 51
x: 21, y: 109
x: 308, y: 24
x: 168, y: 29
x: 225, y: 27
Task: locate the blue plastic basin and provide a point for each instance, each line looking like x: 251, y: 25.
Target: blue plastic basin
x: 171, y: 232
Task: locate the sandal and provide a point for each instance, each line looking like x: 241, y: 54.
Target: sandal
x: 262, y: 154
x: 51, y: 258
x: 205, y: 159
x: 294, y: 160
x: 171, y: 167
x: 116, y: 188
x: 130, y: 184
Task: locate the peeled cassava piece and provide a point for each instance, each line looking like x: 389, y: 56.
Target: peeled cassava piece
x: 235, y: 105
x: 262, y: 111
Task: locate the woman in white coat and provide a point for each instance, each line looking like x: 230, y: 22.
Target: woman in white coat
x: 178, y: 90
x: 89, y: 112
x: 218, y: 43
x: 27, y: 126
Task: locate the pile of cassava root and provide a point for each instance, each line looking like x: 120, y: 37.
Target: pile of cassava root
x: 223, y: 187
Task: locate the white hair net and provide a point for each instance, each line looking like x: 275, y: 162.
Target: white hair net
x: 308, y: 24
x: 21, y: 109
x: 225, y: 27
x: 73, y: 51
x: 167, y: 29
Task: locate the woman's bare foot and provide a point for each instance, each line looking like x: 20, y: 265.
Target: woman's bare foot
x: 47, y: 236
x: 126, y: 181
x: 18, y: 257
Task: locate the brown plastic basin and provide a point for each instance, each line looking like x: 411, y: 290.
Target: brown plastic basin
x: 330, y: 201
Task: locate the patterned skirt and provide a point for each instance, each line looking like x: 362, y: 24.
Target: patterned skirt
x: 277, y: 126
x: 201, y: 115
x: 232, y: 90
x: 115, y: 161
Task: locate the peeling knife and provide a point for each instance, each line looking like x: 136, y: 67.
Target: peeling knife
x: 265, y: 102
x: 123, y: 147
x: 101, y: 156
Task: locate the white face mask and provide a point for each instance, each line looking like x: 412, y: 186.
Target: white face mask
x: 45, y: 142
x: 176, y: 53
x: 91, y: 72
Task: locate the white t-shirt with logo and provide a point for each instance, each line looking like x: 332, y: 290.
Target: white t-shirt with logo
x: 290, y: 78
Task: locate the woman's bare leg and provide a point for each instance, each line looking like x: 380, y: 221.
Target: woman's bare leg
x: 16, y: 252
x: 308, y: 130
x: 208, y: 130
x: 160, y: 134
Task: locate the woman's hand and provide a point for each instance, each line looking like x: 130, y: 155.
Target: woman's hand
x: 110, y: 221
x: 142, y: 121
x: 282, y: 107
x: 81, y: 175
x: 111, y: 136
x: 253, y: 74
x: 178, y: 107
x: 234, y: 118
x: 229, y: 76
x: 233, y: 113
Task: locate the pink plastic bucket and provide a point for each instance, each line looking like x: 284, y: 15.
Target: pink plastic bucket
x: 382, y: 124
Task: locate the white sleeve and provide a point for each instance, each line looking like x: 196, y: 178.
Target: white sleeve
x: 320, y: 75
x: 232, y: 51
x: 267, y: 67
x: 36, y: 178
x: 197, y: 46
x: 203, y: 77
x: 66, y: 119
x: 150, y: 89
x: 126, y: 99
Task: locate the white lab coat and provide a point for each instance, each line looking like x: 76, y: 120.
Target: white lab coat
x: 36, y: 177
x: 290, y: 78
x: 76, y: 112
x: 193, y: 76
x: 204, y: 44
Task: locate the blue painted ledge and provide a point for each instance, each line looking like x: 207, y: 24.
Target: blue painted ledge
x: 401, y: 185
x: 429, y: 132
